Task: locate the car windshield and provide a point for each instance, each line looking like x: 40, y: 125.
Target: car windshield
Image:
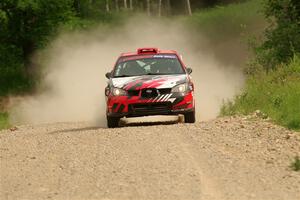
x: 148, y: 65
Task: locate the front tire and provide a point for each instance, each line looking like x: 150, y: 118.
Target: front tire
x: 112, y: 122
x: 190, y: 117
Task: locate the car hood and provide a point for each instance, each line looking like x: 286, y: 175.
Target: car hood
x: 149, y: 81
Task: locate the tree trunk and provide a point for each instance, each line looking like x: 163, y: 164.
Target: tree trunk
x: 148, y: 7
x: 107, y: 6
x: 159, y: 7
x: 117, y: 5
x: 169, y: 9
x: 188, y: 4
x: 125, y: 4
x: 78, y: 6
x: 28, y: 48
x: 131, y: 5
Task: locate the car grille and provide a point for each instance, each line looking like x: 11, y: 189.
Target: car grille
x: 150, y: 108
x: 153, y: 94
x: 165, y: 91
x: 133, y: 92
x: 149, y: 93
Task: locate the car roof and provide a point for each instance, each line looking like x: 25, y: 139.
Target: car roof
x: 147, y: 51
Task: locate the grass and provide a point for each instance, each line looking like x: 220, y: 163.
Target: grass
x: 276, y: 94
x: 4, y: 124
x: 231, y: 20
x: 296, y: 164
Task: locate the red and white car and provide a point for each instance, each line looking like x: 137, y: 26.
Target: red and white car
x: 149, y: 82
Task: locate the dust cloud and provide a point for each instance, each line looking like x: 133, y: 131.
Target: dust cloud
x: 74, y: 66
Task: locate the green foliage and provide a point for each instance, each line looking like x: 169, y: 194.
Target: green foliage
x: 26, y: 25
x: 94, y: 10
x: 283, y: 34
x: 32, y: 20
x: 29, y: 25
x: 4, y: 121
x: 13, y: 78
x: 276, y: 93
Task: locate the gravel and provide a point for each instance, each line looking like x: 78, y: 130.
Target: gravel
x: 226, y: 158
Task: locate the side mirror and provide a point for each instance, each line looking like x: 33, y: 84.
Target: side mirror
x: 189, y: 70
x: 108, y: 75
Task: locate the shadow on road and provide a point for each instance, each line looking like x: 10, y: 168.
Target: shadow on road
x: 147, y: 124
x: 76, y: 129
x: 122, y: 125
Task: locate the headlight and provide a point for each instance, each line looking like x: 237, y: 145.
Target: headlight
x: 119, y: 92
x: 180, y: 88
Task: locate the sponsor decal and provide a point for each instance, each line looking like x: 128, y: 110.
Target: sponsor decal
x: 124, y: 59
x: 128, y: 58
x: 162, y: 98
x: 165, y: 56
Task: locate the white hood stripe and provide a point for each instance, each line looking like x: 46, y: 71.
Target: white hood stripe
x: 156, y: 97
x: 162, y: 96
x: 167, y: 97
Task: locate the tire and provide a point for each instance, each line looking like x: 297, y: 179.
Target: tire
x: 190, y: 117
x: 112, y: 122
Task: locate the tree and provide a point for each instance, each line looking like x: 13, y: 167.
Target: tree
x: 188, y: 4
x: 117, y: 5
x: 107, y: 6
x: 168, y: 7
x: 159, y: 7
x: 283, y: 35
x: 125, y: 4
x: 148, y: 7
x: 26, y: 25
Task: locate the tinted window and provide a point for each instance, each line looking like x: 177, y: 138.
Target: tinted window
x: 148, y: 65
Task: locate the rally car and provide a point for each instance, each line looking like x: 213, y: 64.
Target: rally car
x: 149, y: 82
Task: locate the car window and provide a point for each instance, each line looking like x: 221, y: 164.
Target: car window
x: 152, y: 65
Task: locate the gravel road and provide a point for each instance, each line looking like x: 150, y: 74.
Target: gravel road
x: 227, y: 158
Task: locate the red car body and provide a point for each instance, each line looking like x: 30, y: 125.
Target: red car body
x: 144, y: 94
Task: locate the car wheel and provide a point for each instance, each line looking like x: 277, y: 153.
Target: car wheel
x: 112, y: 122
x: 190, y: 117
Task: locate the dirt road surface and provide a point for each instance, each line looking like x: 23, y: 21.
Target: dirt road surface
x: 226, y: 158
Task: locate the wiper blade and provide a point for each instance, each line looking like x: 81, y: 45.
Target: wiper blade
x: 121, y: 76
x: 157, y: 74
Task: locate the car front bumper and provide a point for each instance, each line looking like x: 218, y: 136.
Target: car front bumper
x: 170, y: 104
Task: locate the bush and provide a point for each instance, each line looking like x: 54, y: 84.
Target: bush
x: 13, y: 78
x: 276, y: 93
